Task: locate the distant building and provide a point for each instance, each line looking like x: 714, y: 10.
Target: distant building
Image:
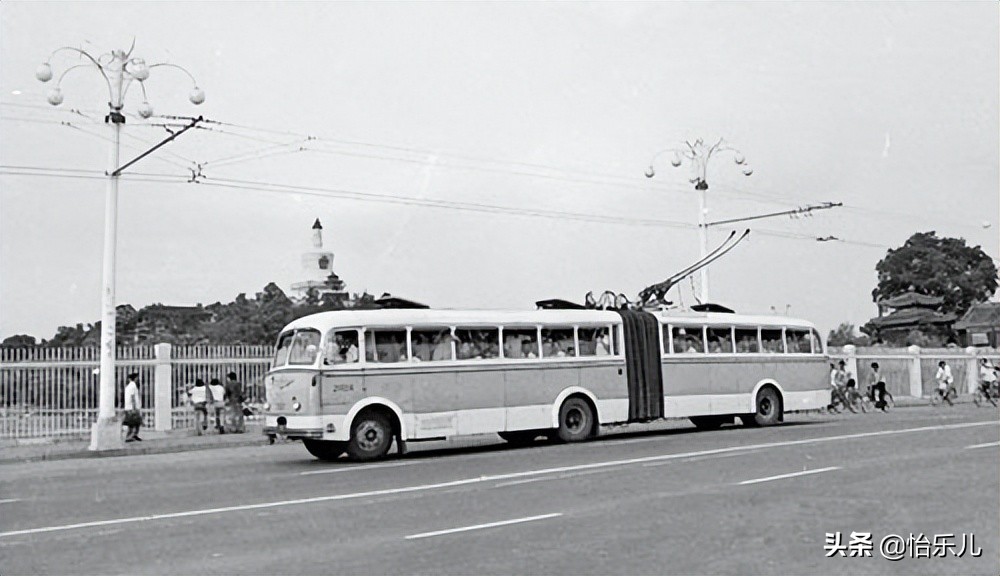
x: 909, y: 311
x: 317, y: 271
x: 980, y: 326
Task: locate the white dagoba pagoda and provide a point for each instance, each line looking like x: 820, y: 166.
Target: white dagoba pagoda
x: 317, y: 269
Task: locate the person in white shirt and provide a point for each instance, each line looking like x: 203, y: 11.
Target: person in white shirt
x: 218, y: 392
x: 133, y: 405
x: 199, y: 399
x: 944, y: 380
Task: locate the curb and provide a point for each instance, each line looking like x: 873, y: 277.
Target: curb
x: 255, y: 440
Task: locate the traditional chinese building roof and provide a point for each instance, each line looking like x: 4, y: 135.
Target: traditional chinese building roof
x: 985, y: 315
x: 911, y: 299
x: 913, y: 316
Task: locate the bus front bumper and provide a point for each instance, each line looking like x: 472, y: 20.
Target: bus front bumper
x: 310, y: 427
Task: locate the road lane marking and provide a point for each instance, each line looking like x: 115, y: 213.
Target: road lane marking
x: 9, y: 500
x: 350, y: 468
x: 987, y: 445
x: 491, y: 478
x: 792, y: 475
x: 700, y: 458
x: 481, y: 526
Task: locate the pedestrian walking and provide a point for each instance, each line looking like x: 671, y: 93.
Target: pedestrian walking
x: 133, y: 407
x: 877, y: 387
x: 198, y: 394
x: 218, y: 393
x: 234, y: 404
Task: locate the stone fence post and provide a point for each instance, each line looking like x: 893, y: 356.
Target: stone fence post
x: 163, y: 389
x: 851, y: 362
x: 971, y: 370
x: 916, y: 377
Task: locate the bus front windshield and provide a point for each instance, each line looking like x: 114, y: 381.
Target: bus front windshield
x: 299, y: 348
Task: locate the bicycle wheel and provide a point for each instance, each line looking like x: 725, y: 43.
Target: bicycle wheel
x: 935, y: 398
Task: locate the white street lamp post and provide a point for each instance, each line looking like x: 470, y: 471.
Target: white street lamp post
x: 119, y: 70
x: 698, y: 154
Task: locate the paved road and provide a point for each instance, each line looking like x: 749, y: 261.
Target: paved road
x: 671, y: 501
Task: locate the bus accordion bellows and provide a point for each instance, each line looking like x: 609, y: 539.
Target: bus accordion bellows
x: 355, y: 381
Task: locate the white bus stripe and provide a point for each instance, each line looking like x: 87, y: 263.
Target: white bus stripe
x: 987, y: 445
x: 481, y: 526
x: 493, y: 478
x: 792, y: 475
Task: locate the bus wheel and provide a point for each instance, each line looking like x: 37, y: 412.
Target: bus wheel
x: 708, y: 422
x: 768, y: 409
x: 520, y: 437
x: 371, y: 436
x: 325, y: 449
x: 576, y: 420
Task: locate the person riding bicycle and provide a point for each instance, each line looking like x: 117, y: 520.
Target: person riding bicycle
x: 987, y: 377
x: 838, y: 378
x: 877, y: 387
x: 944, y: 380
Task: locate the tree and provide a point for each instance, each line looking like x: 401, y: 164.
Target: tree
x: 846, y: 334
x: 18, y: 341
x: 934, y: 266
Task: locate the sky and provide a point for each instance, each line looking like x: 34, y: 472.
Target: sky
x: 489, y: 155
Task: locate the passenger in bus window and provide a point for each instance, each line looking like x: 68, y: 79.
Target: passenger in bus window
x: 528, y: 349
x: 442, y: 347
x: 602, y: 343
x: 343, y: 349
x: 713, y: 346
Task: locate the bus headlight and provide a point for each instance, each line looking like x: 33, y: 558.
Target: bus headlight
x: 267, y: 407
x: 296, y: 406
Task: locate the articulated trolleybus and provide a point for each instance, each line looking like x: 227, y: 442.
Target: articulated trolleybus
x: 356, y: 380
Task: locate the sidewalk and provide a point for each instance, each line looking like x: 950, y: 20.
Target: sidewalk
x: 153, y: 442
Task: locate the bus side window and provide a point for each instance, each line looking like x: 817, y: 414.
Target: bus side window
x: 772, y: 340
x: 478, y: 343
x: 341, y: 347
x: 386, y: 346
x: 557, y: 342
x: 798, y: 341
x: 817, y: 342
x: 432, y: 344
x: 520, y: 343
x: 594, y: 342
x: 746, y: 340
x: 687, y: 340
x: 720, y: 341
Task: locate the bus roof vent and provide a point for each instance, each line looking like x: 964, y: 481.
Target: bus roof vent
x: 389, y: 301
x: 710, y: 307
x: 558, y: 304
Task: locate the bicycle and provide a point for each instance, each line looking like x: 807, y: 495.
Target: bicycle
x: 857, y: 400
x: 982, y: 395
x: 870, y: 401
x: 938, y: 396
x: 839, y: 398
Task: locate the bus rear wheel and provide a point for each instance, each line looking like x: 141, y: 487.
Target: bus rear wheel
x: 576, y: 420
x: 371, y: 436
x: 325, y: 449
x: 768, y: 409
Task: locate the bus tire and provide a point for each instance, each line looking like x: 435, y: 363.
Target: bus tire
x: 325, y: 449
x: 768, y: 408
x: 371, y: 436
x: 520, y: 437
x: 576, y: 420
x: 708, y: 422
